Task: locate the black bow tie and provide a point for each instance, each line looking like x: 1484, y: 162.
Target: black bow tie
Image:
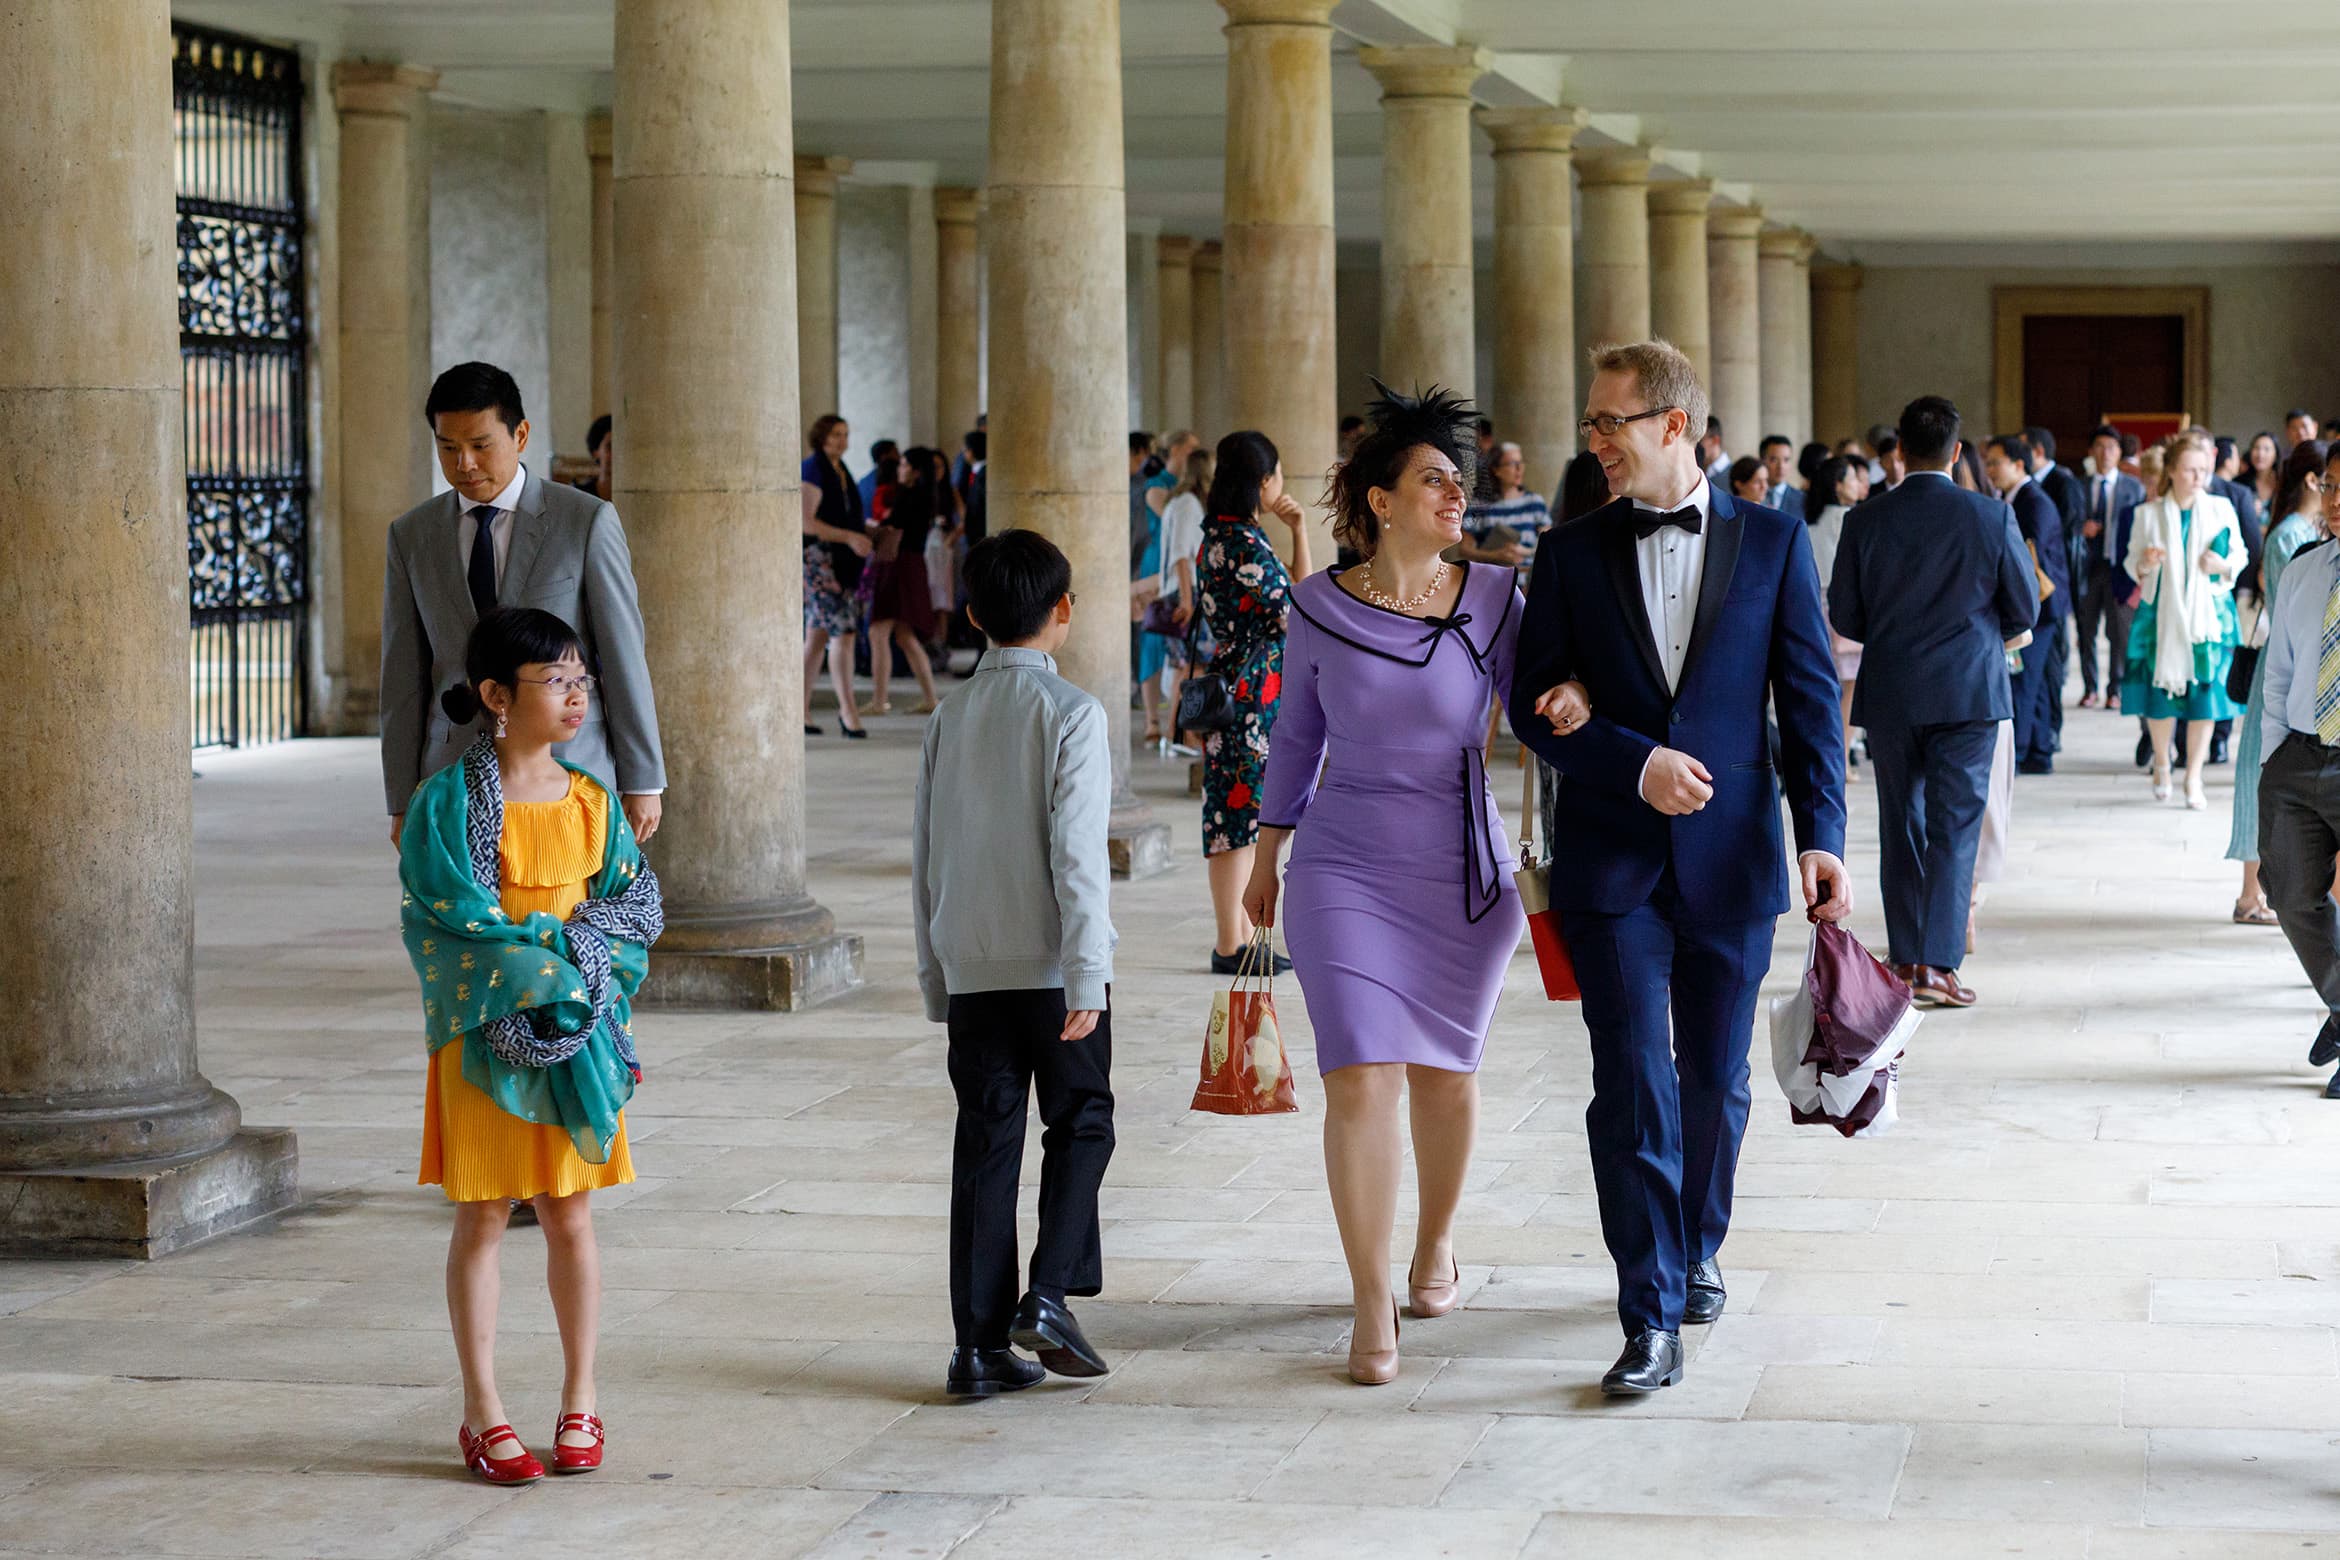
x: 1648, y: 522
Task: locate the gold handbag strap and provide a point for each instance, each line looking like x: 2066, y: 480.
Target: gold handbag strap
x: 1529, y: 814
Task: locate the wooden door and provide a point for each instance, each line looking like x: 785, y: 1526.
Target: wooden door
x: 2077, y: 368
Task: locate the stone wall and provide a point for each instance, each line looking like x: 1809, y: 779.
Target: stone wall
x: 488, y: 271
x: 873, y: 317
x: 1927, y: 329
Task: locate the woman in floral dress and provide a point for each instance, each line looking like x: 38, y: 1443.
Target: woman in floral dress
x: 1244, y: 587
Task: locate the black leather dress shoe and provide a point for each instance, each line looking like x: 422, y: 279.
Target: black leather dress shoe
x: 2326, y: 1050
x: 2332, y: 1088
x: 2144, y: 751
x: 1705, y: 1301
x: 1652, y: 1360
x: 989, y: 1372
x: 1049, y: 1331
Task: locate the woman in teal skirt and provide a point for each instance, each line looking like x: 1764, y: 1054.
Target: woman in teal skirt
x: 2185, y: 552
x: 2299, y: 501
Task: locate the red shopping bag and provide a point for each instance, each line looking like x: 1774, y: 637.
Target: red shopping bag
x: 1534, y: 879
x: 1244, y: 1069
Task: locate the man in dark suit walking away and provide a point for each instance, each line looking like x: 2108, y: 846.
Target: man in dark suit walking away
x: 2039, y: 686
x: 1933, y: 581
x: 1682, y: 611
x: 2104, y: 496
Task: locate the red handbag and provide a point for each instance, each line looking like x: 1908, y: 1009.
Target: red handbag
x: 1534, y: 878
x: 1245, y: 1070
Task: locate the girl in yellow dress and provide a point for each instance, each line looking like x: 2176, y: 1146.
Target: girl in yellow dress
x: 528, y: 913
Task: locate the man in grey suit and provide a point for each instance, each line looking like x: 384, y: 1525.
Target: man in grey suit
x: 506, y: 537
x: 2106, y: 493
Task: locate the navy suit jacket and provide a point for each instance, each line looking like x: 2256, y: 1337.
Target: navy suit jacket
x: 1932, y: 580
x: 2042, y: 524
x: 1758, y: 631
x: 2111, y: 544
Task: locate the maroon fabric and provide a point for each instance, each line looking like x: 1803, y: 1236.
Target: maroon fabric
x: 1856, y: 1001
x: 1864, y: 1111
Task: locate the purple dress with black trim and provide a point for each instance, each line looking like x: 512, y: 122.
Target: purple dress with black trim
x: 1398, y: 903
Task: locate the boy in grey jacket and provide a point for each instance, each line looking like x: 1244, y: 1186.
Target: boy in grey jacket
x: 1008, y: 875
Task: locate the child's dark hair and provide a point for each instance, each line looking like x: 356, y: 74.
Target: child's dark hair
x: 507, y: 639
x: 1014, y: 580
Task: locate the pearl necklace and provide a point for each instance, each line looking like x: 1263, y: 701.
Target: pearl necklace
x: 1411, y: 603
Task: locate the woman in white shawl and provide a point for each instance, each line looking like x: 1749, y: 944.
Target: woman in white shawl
x: 2185, y: 550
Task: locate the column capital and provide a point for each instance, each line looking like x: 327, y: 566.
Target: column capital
x: 1426, y: 70
x: 600, y: 141
x: 1681, y: 198
x: 1734, y: 222
x: 819, y: 175
x: 1787, y: 244
x: 1532, y: 129
x: 379, y: 87
x: 1837, y: 278
x: 1174, y: 249
x: 1209, y: 255
x: 1288, y: 13
x: 1599, y: 165
x: 957, y: 204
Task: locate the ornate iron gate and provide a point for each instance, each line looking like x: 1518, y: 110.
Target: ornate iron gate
x: 243, y: 351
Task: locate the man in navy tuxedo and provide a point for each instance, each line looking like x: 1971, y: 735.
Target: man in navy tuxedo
x: 1682, y: 611
x: 1933, y: 581
x: 2039, y: 687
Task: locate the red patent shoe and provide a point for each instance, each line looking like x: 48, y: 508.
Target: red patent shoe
x: 577, y: 1459
x: 523, y: 1469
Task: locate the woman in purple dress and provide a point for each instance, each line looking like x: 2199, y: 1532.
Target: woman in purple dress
x: 1403, y: 917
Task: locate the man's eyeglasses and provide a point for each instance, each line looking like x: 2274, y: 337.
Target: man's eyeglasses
x: 562, y: 687
x: 1607, y: 423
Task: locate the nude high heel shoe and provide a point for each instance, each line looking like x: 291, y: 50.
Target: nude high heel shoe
x: 1428, y: 1300
x: 1376, y: 1367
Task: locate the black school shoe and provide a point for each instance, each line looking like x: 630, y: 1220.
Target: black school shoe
x: 1232, y: 963
x: 1048, y: 1330
x: 2326, y: 1050
x: 989, y: 1372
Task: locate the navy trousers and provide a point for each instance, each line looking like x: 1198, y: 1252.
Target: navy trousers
x: 1932, y: 782
x: 1670, y: 1002
x: 2038, y: 690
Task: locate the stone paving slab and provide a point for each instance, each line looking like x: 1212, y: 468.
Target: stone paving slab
x: 2080, y: 1304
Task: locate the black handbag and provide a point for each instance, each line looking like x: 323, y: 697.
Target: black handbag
x: 1204, y: 703
x: 2240, y: 673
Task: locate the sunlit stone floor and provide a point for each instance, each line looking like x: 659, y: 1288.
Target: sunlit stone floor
x: 2081, y: 1303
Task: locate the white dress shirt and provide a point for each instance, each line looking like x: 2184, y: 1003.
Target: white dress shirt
x: 1673, y: 563
x: 505, y: 504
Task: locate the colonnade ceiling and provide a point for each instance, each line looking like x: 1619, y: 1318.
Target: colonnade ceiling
x: 1963, y: 121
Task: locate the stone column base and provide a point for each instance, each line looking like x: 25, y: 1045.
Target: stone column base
x: 1139, y: 850
x: 149, y: 1208
x: 785, y: 979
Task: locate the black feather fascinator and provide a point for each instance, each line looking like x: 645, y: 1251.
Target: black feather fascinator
x: 1437, y: 417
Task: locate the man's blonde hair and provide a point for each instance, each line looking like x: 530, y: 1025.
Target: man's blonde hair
x: 1662, y: 372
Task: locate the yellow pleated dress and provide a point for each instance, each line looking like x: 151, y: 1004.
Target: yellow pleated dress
x: 471, y: 1147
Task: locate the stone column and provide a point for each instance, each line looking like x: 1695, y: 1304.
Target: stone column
x: 1428, y: 335
x: 597, y: 152
x: 1210, y: 343
x: 568, y: 292
x: 1735, y: 330
x: 1612, y: 267
x: 385, y: 237
x: 958, y: 331
x: 704, y: 199
x: 1678, y: 304
x: 1836, y: 410
x: 1174, y: 306
x: 1281, y: 367
x: 111, y: 1142
x: 1786, y: 301
x: 1058, y: 343
x: 1535, y: 402
x: 816, y: 285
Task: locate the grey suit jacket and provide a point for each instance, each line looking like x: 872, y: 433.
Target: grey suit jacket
x: 568, y: 556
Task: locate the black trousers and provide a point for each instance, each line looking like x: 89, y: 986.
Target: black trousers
x: 2099, y: 608
x: 1932, y: 782
x: 2299, y: 833
x: 1003, y: 1047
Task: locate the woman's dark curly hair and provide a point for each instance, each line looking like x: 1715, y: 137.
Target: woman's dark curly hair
x: 1395, y: 426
